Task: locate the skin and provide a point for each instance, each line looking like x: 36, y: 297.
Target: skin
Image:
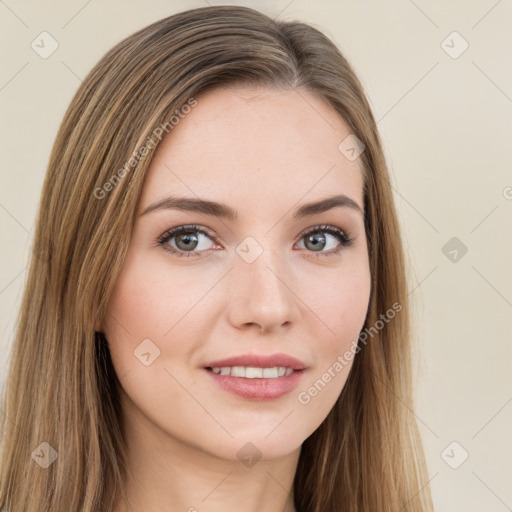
x: 264, y: 152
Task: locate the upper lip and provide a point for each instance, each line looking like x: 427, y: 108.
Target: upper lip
x: 259, y: 361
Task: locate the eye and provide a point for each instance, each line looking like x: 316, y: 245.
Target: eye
x: 316, y: 240
x: 190, y: 237
x: 187, y: 239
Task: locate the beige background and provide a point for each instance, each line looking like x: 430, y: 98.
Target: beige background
x: 446, y: 125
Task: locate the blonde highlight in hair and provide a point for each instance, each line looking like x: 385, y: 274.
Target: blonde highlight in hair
x: 62, y: 389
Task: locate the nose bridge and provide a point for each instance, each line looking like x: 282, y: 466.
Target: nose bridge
x: 261, y: 263
x: 262, y: 290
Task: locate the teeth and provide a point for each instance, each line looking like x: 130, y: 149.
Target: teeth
x: 251, y: 372
x: 270, y: 373
x: 238, y: 371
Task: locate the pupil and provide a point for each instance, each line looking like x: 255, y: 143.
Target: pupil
x: 317, y: 239
x: 187, y: 238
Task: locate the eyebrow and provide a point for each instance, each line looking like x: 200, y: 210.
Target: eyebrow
x: 223, y: 211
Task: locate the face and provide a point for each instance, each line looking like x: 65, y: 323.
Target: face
x: 266, y: 283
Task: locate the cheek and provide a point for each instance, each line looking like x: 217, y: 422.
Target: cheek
x: 345, y: 313
x: 139, y: 308
x: 342, y: 304
x: 152, y: 300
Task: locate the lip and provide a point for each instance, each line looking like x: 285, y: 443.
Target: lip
x: 258, y: 389
x: 259, y: 361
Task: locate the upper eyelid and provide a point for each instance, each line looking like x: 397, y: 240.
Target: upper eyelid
x: 189, y: 227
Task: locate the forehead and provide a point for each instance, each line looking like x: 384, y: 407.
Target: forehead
x: 248, y: 144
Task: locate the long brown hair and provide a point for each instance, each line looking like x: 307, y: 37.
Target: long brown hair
x: 61, y: 397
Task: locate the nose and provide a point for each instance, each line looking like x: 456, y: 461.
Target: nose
x: 261, y: 293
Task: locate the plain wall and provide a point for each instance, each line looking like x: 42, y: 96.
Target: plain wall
x: 445, y: 120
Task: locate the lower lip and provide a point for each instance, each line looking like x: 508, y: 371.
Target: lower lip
x: 257, y: 389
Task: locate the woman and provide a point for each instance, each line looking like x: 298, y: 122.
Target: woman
x: 215, y: 316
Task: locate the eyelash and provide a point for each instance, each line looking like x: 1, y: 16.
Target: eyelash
x: 343, y: 236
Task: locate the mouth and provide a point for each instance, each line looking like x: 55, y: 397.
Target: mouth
x: 257, y: 377
x: 253, y: 366
x: 253, y: 372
